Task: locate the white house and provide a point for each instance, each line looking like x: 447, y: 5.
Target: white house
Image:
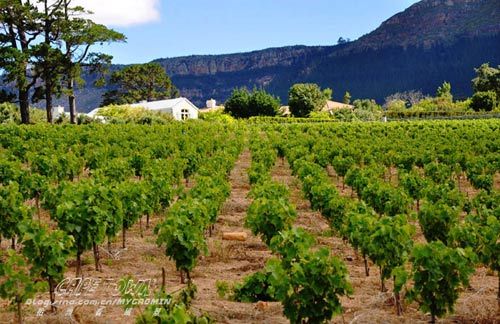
x: 179, y: 108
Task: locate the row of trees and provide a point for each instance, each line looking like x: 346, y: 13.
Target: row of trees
x: 303, y: 99
x: 44, y: 47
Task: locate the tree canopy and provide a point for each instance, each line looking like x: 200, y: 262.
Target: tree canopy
x: 304, y: 98
x: 45, y: 46
x: 140, y: 82
x: 487, y: 79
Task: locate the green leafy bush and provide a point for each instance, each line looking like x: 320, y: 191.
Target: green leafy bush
x: 439, y: 272
x: 484, y: 101
x: 310, y: 291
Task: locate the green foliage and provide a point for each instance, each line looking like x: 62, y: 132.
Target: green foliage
x: 238, y: 104
x: 134, y: 115
x: 139, y: 82
x: 385, y: 199
x: 47, y: 250
x: 262, y: 103
x: 255, y: 287
x: 182, y: 233
x: 12, y: 210
x: 17, y: 283
x: 413, y: 183
x: 444, y: 91
x: 85, y: 210
x: 9, y: 114
x: 436, y: 221
x: 306, y: 98
x: 291, y: 244
x: 342, y: 164
x: 267, y: 217
x: 245, y: 104
x: 439, y: 272
x: 484, y: 101
x: 438, y: 172
x: 310, y: 290
x: 217, y: 116
x: 347, y: 98
x: 358, y: 228
x: 396, y: 106
x: 481, y: 230
x: 390, y: 244
x: 161, y: 180
x: 487, y: 79
x: 135, y: 201
x: 366, y: 105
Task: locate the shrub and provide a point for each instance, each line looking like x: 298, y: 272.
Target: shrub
x: 217, y: 116
x: 245, y: 104
x: 484, y: 100
x: 133, y: 115
x: 438, y: 274
x: 9, y: 114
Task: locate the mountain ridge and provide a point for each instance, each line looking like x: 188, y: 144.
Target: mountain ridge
x: 430, y: 42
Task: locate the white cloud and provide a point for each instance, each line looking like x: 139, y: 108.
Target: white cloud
x: 122, y: 13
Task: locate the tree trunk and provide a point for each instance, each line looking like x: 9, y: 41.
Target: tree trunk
x: 140, y: 227
x: 78, y: 264
x: 163, y: 279
x: 96, y: 257
x: 123, y: 237
x: 418, y: 205
x: 24, y: 106
x: 399, y: 308
x: 13, y: 244
x: 147, y: 221
x: 433, y: 319
x: 52, y: 295
x: 72, y: 101
x: 188, y: 275
x: 367, y: 270
x: 48, y: 101
x: 19, y: 312
x: 382, y: 282
x: 47, y: 73
x: 182, y: 276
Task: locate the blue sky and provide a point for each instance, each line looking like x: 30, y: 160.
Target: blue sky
x: 169, y: 28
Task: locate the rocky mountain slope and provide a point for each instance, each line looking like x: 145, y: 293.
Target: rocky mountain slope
x: 431, y: 41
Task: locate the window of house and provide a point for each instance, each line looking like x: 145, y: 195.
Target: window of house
x: 184, y: 114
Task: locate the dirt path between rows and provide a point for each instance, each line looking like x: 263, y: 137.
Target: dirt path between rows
x: 231, y: 261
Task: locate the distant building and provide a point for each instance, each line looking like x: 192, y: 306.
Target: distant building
x: 57, y: 112
x: 334, y: 105
x: 211, y: 103
x: 179, y: 108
